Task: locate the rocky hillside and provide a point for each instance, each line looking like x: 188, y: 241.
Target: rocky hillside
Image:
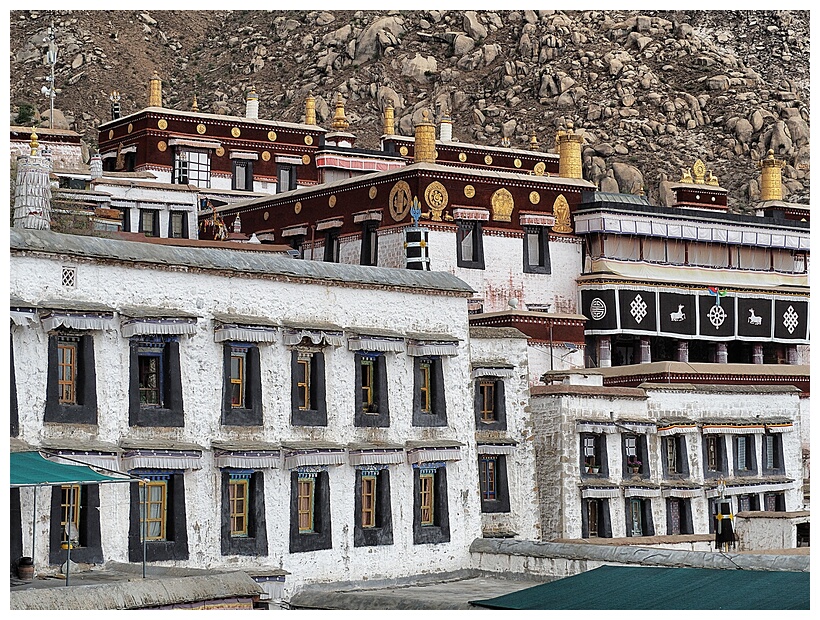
x: 652, y: 91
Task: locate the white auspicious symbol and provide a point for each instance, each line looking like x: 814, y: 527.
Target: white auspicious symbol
x: 638, y: 308
x: 754, y: 320
x: 677, y: 317
x: 597, y: 309
x: 790, y: 319
x: 716, y: 316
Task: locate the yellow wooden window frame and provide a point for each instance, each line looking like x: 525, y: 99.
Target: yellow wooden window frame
x: 70, y: 508
x: 487, y: 391
x: 147, y: 501
x: 305, y: 492
x: 369, y: 501
x: 238, y: 378
x: 426, y: 501
x: 304, y: 385
x: 424, y: 388
x: 67, y: 371
x: 368, y: 375
x: 238, y: 501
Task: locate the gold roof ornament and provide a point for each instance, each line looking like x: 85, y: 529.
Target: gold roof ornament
x: 155, y: 91
x: 563, y: 222
x: 310, y: 110
x: 339, y: 120
x: 569, y: 153
x: 533, y: 142
x: 194, y: 105
x: 699, y: 172
x: 711, y: 179
x: 771, y: 179
x: 686, y: 176
x: 34, y: 144
x: 389, y: 120
x: 425, y: 139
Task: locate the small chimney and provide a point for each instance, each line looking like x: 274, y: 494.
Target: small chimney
x: 155, y: 91
x: 425, y: 140
x: 569, y: 153
x: 252, y: 104
x: 771, y: 180
x: 310, y: 110
x: 389, y: 121
x: 115, y: 105
x: 446, y: 129
x: 339, y: 120
x: 96, y: 166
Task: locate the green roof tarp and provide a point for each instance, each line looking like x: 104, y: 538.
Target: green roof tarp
x: 31, y: 469
x: 644, y: 587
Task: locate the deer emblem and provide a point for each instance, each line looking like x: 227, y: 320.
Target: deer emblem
x: 677, y: 317
x: 753, y: 319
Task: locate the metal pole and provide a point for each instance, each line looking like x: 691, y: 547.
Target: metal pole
x: 550, y: 344
x: 144, y: 523
x: 34, y: 526
x: 69, y: 521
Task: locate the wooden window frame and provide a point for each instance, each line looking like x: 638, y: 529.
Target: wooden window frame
x: 72, y: 504
x: 487, y: 412
x: 712, y: 454
x: 303, y: 386
x: 238, y: 500
x: 489, y: 478
x: 145, y: 509
x: 182, y: 217
x: 369, y: 499
x: 67, y: 386
x: 143, y: 377
x: 306, y: 502
x: 425, y: 386
x: 671, y: 454
x: 368, y: 386
x: 539, y: 235
x: 427, y: 486
x: 593, y: 512
x: 240, y: 354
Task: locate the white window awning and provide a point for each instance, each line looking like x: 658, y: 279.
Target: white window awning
x: 595, y: 427
x: 376, y: 456
x: 245, y: 332
x: 726, y: 429
x: 143, y: 458
x: 743, y: 489
x: 496, y: 448
x: 600, y: 492
x: 243, y: 155
x: 158, y: 326
x: 288, y: 159
x: 677, y: 429
x: 248, y: 459
x: 536, y: 219
x: 198, y: 144
x: 421, y: 348
x: 364, y: 342
x: 293, y: 336
x: 336, y: 222
x: 425, y: 454
x: 492, y: 371
x: 374, y: 215
x: 96, y: 458
x: 641, y: 492
x: 318, y: 456
x: 23, y: 317
x: 639, y: 428
x: 78, y: 320
x: 295, y: 231
x: 780, y: 428
x: 682, y: 493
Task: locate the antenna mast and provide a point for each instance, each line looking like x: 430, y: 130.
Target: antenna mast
x: 51, y: 60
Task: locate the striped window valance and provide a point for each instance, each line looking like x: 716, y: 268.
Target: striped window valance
x: 158, y: 326
x: 639, y: 428
x: 780, y: 428
x: 23, y: 318
x: 248, y: 459
x: 663, y: 431
x: 302, y: 458
x: 682, y: 493
x: 641, y: 492
x: 381, y: 456
x: 491, y: 371
x: 751, y: 488
x: 496, y: 448
x: 757, y: 429
x: 317, y: 337
x: 595, y: 427
x: 421, y: 348
x: 422, y: 455
x: 161, y: 459
x: 376, y: 343
x: 245, y: 333
x: 78, y: 320
x: 600, y: 492
x: 96, y: 458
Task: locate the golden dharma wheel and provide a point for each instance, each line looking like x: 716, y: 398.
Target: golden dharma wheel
x: 201, y: 128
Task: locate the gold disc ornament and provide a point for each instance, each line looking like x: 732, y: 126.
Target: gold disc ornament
x: 201, y: 128
x: 488, y: 159
x: 469, y: 191
x: 272, y: 136
x: 535, y: 198
x: 265, y: 155
x: 399, y: 201
x: 111, y: 134
x: 220, y: 151
x: 297, y: 207
x: 162, y: 124
x: 235, y: 132
x: 306, y: 159
x: 517, y: 163
x: 403, y: 150
x: 130, y: 127
x: 161, y: 146
x: 331, y: 202
x: 308, y: 140
x: 372, y: 192
x: 539, y: 169
x: 436, y: 197
x: 462, y: 157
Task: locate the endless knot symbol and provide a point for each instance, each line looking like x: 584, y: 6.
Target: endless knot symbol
x: 716, y: 316
x: 790, y: 319
x: 597, y: 309
x: 638, y: 308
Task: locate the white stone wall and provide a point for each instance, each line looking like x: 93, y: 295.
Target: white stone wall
x: 163, y: 200
x: 62, y: 155
x: 767, y: 532
x: 558, y: 442
x: 523, y: 517
x: 544, y: 358
x: 36, y: 278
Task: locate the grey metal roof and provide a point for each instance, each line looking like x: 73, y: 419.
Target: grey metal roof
x: 629, y: 199
x: 243, y: 261
x: 216, y: 117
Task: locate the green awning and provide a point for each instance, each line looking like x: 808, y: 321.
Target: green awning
x: 644, y: 587
x: 31, y: 469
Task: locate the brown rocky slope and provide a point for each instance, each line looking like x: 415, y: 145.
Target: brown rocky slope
x: 652, y: 90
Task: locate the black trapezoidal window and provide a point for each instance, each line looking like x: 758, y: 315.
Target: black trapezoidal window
x: 71, y: 391
x: 75, y: 520
x: 308, y: 406
x: 429, y: 406
x: 371, y: 401
x: 373, y: 517
x: 158, y: 515
x: 155, y: 394
x: 492, y: 475
x: 470, y: 244
x: 242, y: 385
x: 431, y: 516
x: 537, y: 250
x: 243, y: 513
x: 309, y: 511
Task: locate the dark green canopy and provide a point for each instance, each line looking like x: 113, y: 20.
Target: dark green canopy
x: 644, y: 587
x: 31, y: 469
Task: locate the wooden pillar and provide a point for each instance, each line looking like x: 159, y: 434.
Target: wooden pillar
x: 604, y: 352
x: 646, y: 350
x: 721, y: 355
x: 683, y: 351
x: 757, y: 354
x: 791, y: 354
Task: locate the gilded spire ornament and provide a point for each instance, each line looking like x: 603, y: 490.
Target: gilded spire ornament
x: 194, y: 105
x: 33, y: 143
x: 155, y: 91
x: 569, y: 153
x: 771, y: 179
x: 389, y: 121
x: 339, y: 120
x: 533, y: 142
x: 425, y: 139
x: 310, y: 110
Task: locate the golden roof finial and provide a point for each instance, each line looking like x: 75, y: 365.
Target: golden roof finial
x: 771, y: 179
x: 194, y: 106
x: 310, y: 110
x: 389, y: 121
x: 339, y: 120
x: 569, y: 153
x: 699, y: 172
x: 686, y: 176
x: 533, y: 142
x: 155, y: 91
x: 425, y: 139
x: 34, y: 144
